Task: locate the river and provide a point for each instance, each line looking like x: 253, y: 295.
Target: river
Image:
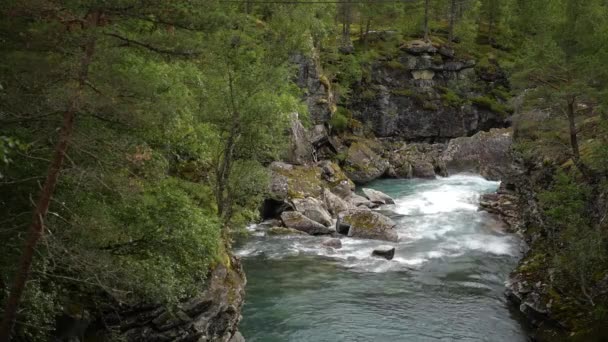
x: 445, y: 283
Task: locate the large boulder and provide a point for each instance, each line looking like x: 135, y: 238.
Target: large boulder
x: 313, y: 209
x: 356, y: 201
x: 367, y: 224
x: 296, y: 220
x: 334, y: 203
x: 279, y: 231
x: 335, y: 178
x: 300, y: 150
x: 488, y: 153
x: 417, y: 160
x: 378, y: 197
x: 295, y: 181
x: 363, y: 165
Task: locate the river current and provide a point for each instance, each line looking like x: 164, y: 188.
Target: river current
x: 445, y: 283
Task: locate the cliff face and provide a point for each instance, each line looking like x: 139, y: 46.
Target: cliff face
x: 557, y: 310
x: 212, y: 315
x: 427, y: 93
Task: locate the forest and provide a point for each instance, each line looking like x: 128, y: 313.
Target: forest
x: 136, y: 135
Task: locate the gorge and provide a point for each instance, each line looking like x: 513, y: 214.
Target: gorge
x: 308, y: 170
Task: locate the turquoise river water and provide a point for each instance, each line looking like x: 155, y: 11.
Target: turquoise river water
x: 445, y: 283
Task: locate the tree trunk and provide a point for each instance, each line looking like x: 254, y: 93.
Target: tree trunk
x: 452, y: 20
x: 36, y: 229
x: 572, y: 126
x: 367, y: 28
x: 426, y: 20
x: 225, y: 165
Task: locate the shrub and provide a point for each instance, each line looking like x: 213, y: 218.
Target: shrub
x: 339, y: 122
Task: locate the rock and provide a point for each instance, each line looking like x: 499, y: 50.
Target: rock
x: 423, y: 169
x: 418, y: 47
x: 237, y: 337
x: 333, y: 243
x: 336, y: 179
x: 296, y: 220
x: 212, y: 315
x: 363, y: 165
x: 335, y: 204
x: 387, y: 252
x: 418, y: 160
x: 300, y: 150
x: 270, y: 223
x: 295, y: 181
x: 318, y: 95
x: 357, y: 201
x: 504, y: 204
x: 368, y: 224
x: 277, y: 231
x: 378, y: 197
x: 527, y: 298
x: 313, y: 209
x: 488, y: 153
x: 344, y: 189
x: 427, y: 94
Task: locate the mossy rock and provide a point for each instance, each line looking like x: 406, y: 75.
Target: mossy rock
x: 362, y: 164
x: 369, y: 224
x: 281, y: 231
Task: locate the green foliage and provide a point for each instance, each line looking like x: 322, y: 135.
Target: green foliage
x: 395, y: 65
x: 451, y: 98
x: 492, y: 104
x: 339, y: 120
x: 402, y: 92
x: 577, y: 247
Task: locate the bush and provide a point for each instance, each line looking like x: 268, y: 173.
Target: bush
x: 491, y: 104
x: 339, y: 122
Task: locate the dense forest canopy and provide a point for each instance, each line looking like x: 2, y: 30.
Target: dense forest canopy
x: 135, y: 135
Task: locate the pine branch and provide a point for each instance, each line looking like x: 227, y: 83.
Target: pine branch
x: 153, y: 48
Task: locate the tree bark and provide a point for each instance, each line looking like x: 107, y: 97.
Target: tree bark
x: 452, y: 20
x: 572, y: 127
x: 426, y: 20
x: 36, y: 229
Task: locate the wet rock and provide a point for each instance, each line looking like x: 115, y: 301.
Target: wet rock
x: 488, y: 153
x: 378, y: 197
x: 504, y: 204
x: 334, y: 204
x: 363, y: 165
x: 528, y: 298
x: 333, y: 243
x: 296, y: 220
x: 237, y: 337
x: 368, y: 224
x: 357, y: 201
x: 387, y: 252
x: 277, y: 231
x: 418, y: 160
x: 314, y: 209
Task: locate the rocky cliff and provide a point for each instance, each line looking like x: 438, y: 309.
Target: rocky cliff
x: 211, y: 315
x: 429, y: 93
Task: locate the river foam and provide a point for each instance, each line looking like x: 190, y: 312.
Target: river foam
x: 436, y: 219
